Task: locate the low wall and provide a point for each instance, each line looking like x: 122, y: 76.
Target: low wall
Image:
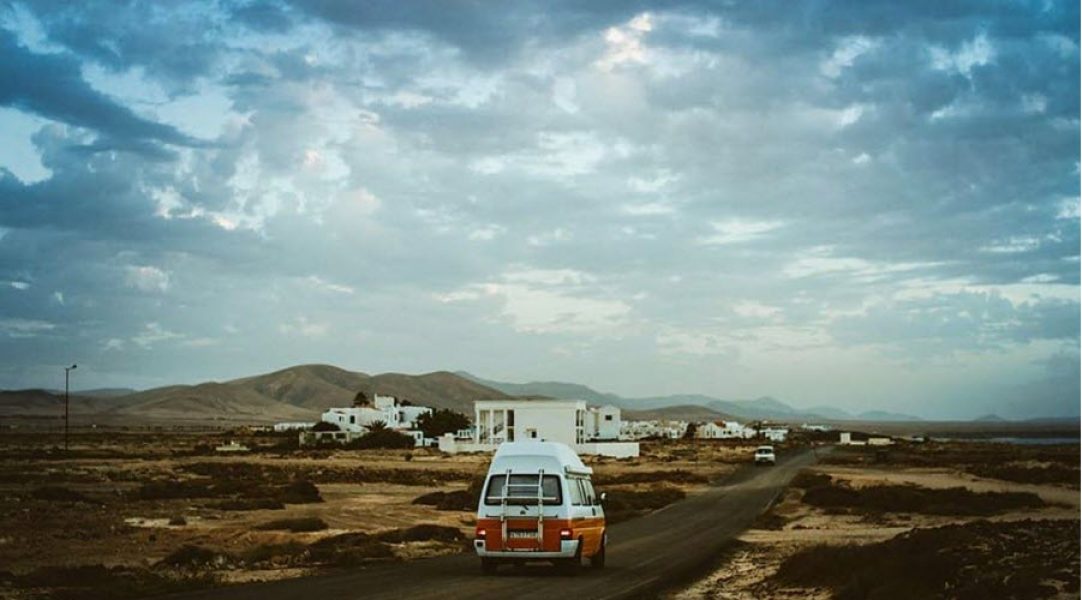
x: 612, y: 449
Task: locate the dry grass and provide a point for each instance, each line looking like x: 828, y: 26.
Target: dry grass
x: 914, y: 499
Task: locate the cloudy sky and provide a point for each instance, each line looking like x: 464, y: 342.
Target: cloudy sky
x: 868, y: 204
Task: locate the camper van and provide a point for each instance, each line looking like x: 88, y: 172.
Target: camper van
x: 538, y: 503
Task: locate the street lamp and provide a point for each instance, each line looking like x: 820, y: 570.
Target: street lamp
x: 67, y: 371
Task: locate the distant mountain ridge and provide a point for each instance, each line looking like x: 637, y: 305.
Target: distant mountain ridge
x: 761, y: 408
x: 302, y: 392
x: 297, y: 393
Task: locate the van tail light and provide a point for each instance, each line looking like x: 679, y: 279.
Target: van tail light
x: 566, y: 534
x: 481, y: 533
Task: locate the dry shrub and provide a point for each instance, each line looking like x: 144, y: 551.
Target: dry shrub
x: 1053, y: 473
x: 195, y: 558
x: 255, y: 473
x: 422, y: 533
x: 674, y: 476
x: 298, y: 492
x: 349, y: 549
x: 248, y: 504
x: 976, y: 560
x: 806, y: 479
x: 770, y: 520
x: 621, y: 505
x: 295, y: 492
x: 297, y: 525
x: 915, y: 499
x: 287, y: 553
x: 456, y: 500
x: 61, y: 494
x: 97, y: 582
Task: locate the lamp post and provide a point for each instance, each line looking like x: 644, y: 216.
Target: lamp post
x: 67, y: 371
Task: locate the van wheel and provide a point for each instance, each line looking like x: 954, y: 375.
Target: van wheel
x: 571, y: 566
x: 489, y: 566
x: 597, y: 561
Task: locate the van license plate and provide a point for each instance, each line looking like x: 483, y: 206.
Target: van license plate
x: 522, y: 535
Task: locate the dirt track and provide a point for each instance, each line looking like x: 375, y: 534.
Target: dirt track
x: 644, y: 555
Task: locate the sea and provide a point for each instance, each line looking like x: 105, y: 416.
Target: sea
x: 1021, y: 441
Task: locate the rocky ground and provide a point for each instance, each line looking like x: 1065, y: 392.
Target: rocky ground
x: 958, y: 520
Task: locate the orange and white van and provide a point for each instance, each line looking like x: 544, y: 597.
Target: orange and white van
x: 538, y: 503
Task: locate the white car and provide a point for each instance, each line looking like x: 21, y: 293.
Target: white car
x: 764, y: 455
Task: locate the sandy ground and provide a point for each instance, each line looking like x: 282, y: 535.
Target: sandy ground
x: 744, y: 573
x: 117, y: 530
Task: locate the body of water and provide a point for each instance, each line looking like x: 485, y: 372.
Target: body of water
x: 1022, y: 441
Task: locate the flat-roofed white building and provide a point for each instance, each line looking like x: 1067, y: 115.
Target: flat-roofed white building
x: 603, y: 423
x: 774, y: 434
x: 570, y: 422
x: 725, y: 430
x: 638, y: 430
x: 498, y: 421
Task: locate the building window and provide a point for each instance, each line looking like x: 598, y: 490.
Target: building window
x: 608, y: 417
x: 483, y: 420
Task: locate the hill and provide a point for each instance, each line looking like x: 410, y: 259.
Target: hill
x: 47, y: 404
x: 686, y: 412
x: 298, y: 393
x: 310, y: 387
x: 440, y: 389
x: 547, y: 389
x: 762, y: 408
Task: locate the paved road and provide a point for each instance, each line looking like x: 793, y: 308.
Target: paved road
x: 644, y: 555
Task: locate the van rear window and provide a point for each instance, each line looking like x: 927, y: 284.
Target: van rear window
x: 523, y: 489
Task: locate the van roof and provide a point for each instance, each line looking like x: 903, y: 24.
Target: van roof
x: 534, y: 455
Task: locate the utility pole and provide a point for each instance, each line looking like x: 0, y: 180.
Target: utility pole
x: 67, y: 371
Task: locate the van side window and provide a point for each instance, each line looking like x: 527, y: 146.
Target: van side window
x: 575, y: 489
x: 591, y: 497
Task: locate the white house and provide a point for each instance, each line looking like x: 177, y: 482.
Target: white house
x: 774, y: 434
x: 638, y: 430
x: 811, y: 427
x: 603, y: 423
x: 293, y: 426
x: 725, y: 430
x: 568, y: 421
x: 384, y: 409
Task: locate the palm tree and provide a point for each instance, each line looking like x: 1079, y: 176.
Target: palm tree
x: 375, y: 426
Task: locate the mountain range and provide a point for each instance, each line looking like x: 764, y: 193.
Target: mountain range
x: 298, y: 393
x: 763, y: 407
x: 301, y: 393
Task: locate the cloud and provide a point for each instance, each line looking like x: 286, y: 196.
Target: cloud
x: 51, y: 86
x: 737, y: 231
x: 541, y: 301
x: 147, y: 279
x: 152, y: 334
x: 24, y: 328
x: 881, y: 193
x: 303, y: 327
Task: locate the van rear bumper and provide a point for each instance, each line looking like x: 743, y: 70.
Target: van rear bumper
x: 568, y: 548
